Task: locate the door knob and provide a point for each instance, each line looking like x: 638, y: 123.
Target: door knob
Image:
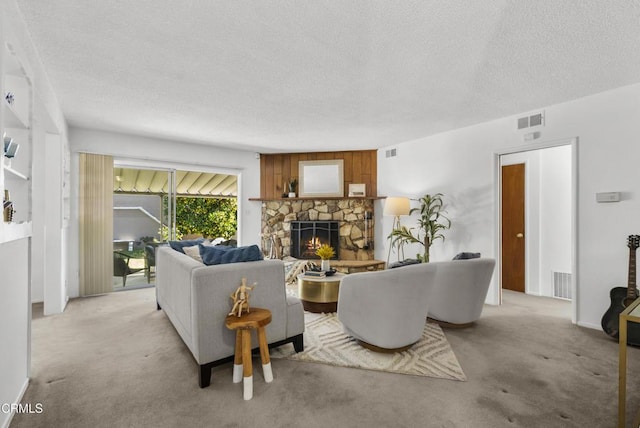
x: 519, y: 235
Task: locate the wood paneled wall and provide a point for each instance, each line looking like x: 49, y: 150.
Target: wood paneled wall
x: 276, y: 169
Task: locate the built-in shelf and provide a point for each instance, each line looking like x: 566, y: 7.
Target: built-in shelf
x: 15, y: 231
x: 12, y: 118
x: 17, y: 174
x: 15, y: 123
x: 333, y: 198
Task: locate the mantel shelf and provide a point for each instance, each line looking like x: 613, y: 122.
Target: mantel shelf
x: 333, y: 198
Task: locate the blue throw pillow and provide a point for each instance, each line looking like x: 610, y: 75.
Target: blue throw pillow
x: 220, y: 254
x: 179, y: 245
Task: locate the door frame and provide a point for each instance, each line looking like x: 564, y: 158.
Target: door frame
x: 495, y: 292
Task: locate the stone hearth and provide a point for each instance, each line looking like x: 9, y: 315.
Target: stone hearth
x: 354, y: 215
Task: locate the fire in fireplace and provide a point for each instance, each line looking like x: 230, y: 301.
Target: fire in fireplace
x: 308, y: 236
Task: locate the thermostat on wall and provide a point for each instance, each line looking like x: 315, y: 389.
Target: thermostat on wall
x: 608, y: 197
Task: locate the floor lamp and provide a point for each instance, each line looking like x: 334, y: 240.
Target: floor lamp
x: 395, y: 206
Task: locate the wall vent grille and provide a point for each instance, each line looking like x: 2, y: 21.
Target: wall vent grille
x: 390, y: 153
x: 531, y: 121
x: 523, y: 122
x: 562, y: 285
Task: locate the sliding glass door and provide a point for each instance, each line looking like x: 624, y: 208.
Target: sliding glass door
x: 143, y: 218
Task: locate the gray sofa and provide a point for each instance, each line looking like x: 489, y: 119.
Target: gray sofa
x: 196, y: 299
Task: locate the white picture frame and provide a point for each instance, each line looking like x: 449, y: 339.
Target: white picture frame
x: 321, y: 178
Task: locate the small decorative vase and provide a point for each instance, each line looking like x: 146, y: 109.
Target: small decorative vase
x: 292, y: 194
x: 325, y: 265
x: 7, y: 207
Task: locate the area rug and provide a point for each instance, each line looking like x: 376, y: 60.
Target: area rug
x: 325, y: 342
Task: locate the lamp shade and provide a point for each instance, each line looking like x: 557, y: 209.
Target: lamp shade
x: 396, y: 206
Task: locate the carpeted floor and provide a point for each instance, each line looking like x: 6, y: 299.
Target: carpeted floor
x: 114, y: 361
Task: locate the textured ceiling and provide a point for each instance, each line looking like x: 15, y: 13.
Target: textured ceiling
x: 188, y: 183
x: 325, y: 74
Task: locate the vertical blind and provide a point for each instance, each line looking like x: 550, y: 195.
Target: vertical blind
x: 96, y: 224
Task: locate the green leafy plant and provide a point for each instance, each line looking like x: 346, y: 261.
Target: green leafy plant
x: 293, y: 183
x: 164, y: 233
x: 325, y: 252
x: 209, y: 217
x: 432, y: 222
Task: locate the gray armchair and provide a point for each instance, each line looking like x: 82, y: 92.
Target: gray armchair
x: 386, y: 311
x: 460, y: 292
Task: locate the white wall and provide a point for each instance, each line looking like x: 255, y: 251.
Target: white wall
x: 163, y: 153
x: 460, y: 165
x: 555, y: 215
x: 15, y: 313
x: 15, y: 301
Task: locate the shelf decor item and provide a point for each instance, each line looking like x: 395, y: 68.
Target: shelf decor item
x: 293, y: 183
x: 357, y: 190
x: 240, y: 299
x: 7, y: 141
x: 11, y: 148
x: 10, y: 98
x: 325, y: 252
x: 7, y: 207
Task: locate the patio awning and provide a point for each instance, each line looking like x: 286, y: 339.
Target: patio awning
x: 189, y: 183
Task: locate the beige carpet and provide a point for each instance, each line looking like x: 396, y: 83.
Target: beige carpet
x: 325, y: 342
x: 115, y: 361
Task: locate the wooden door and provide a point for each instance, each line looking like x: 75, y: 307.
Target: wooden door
x: 513, y: 238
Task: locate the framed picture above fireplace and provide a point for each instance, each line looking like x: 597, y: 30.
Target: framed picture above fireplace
x: 321, y: 178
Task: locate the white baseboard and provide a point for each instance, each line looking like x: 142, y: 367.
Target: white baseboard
x: 18, y: 399
x: 589, y: 325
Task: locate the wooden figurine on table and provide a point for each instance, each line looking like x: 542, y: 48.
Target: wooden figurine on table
x: 240, y: 299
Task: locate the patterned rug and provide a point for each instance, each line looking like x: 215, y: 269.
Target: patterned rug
x: 325, y: 342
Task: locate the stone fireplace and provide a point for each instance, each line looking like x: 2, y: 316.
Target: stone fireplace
x: 308, y: 236
x: 351, y: 217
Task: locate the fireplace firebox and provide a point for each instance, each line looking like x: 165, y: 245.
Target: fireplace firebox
x: 308, y: 236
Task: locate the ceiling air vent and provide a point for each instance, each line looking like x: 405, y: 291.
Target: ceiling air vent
x: 390, y: 153
x: 531, y: 121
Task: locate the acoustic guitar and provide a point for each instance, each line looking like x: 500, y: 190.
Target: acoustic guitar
x: 622, y: 297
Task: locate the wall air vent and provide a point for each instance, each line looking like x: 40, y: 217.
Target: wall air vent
x: 531, y: 121
x: 562, y: 285
x: 535, y: 120
x: 523, y: 122
x: 390, y: 153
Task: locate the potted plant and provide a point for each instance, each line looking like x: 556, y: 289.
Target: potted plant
x: 325, y: 252
x: 432, y: 222
x: 293, y: 183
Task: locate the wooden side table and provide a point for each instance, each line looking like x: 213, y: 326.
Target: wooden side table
x: 630, y: 315
x: 257, y: 319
